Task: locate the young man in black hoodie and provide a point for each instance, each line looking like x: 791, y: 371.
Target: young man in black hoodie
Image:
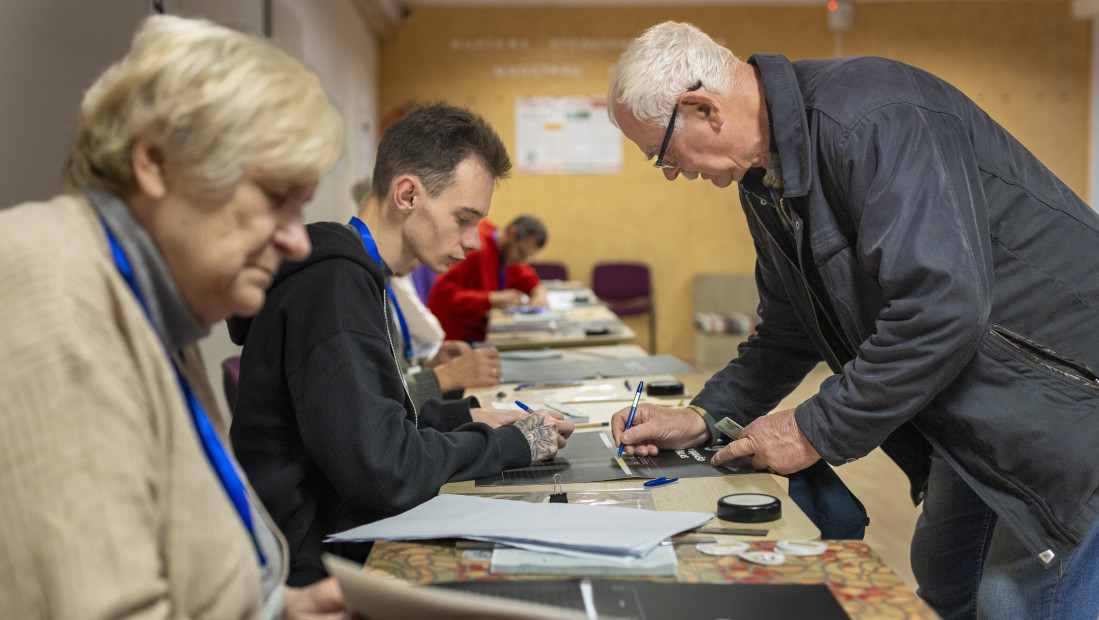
x: 323, y: 424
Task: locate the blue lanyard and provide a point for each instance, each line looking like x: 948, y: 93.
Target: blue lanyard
x: 372, y: 250
x: 501, y: 271
x: 211, y: 443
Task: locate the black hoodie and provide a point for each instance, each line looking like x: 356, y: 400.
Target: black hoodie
x: 323, y: 425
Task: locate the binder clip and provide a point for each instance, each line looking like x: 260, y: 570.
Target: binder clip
x: 558, y: 496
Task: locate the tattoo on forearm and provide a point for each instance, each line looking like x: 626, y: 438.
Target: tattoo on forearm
x: 541, y: 437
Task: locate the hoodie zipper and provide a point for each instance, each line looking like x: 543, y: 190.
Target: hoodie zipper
x: 393, y: 352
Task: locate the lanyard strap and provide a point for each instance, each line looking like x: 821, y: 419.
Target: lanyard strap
x: 211, y: 444
x: 501, y: 271
x: 372, y: 250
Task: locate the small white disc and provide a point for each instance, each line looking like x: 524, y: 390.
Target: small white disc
x: 769, y: 558
x: 801, y: 547
x: 733, y: 547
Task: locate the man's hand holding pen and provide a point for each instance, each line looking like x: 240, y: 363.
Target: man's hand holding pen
x: 655, y: 428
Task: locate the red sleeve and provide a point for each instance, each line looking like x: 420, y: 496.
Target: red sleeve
x: 522, y: 277
x: 459, y: 297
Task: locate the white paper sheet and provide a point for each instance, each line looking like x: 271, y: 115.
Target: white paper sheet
x: 555, y: 528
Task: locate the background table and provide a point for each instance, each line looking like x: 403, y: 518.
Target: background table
x: 566, y: 328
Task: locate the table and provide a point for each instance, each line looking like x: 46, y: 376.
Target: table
x: 864, y: 586
x: 562, y: 326
x: 690, y: 494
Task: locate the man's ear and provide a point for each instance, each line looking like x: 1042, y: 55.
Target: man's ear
x: 147, y: 160
x: 405, y: 188
x: 704, y: 106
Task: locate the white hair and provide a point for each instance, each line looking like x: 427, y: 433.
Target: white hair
x: 663, y: 63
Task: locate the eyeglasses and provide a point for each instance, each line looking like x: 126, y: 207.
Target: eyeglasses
x: 659, y: 163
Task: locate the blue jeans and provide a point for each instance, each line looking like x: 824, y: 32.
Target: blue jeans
x: 970, y: 566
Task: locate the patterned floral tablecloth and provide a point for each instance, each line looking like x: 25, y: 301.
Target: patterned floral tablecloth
x: 860, y: 581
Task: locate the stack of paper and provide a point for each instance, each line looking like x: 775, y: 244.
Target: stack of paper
x: 660, y: 561
x: 576, y: 530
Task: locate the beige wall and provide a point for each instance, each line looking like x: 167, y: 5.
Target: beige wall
x: 1027, y: 63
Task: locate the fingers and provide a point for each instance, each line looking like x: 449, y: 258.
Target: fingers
x: 564, y: 429
x: 489, y: 352
x: 741, y: 447
x: 556, y: 415
x: 457, y: 347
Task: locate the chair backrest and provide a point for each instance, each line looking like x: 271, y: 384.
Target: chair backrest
x: 422, y: 279
x: 230, y: 379
x: 615, y: 281
x: 551, y: 271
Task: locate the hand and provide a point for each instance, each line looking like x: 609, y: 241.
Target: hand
x: 658, y: 427
x: 776, y: 441
x: 477, y: 368
x: 449, y: 350
x: 545, y: 433
x: 499, y: 417
x: 505, y: 298
x: 539, y: 298
x: 320, y: 601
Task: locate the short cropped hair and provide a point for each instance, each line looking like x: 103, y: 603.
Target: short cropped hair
x: 528, y: 226
x: 431, y: 141
x: 662, y: 64
x: 217, y: 102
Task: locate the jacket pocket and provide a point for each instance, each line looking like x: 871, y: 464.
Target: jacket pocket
x: 1079, y: 380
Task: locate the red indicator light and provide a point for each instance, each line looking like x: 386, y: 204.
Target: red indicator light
x: 833, y: 5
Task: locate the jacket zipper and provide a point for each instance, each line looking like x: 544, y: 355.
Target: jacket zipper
x: 1047, y: 357
x: 801, y: 276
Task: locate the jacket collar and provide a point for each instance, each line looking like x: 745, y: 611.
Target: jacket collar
x: 789, y: 125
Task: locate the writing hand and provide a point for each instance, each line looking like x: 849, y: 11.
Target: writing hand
x: 658, y: 427
x: 477, y: 368
x: 496, y: 417
x: 545, y: 434
x: 775, y: 441
x: 449, y: 350
x: 505, y: 298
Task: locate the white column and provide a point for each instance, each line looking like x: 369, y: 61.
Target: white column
x: 1089, y: 9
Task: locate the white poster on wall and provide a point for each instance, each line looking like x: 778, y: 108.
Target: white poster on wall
x: 556, y: 135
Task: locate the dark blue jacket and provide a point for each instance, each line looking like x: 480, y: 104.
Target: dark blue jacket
x: 948, y: 278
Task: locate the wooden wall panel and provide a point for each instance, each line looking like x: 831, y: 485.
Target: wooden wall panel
x: 1026, y: 62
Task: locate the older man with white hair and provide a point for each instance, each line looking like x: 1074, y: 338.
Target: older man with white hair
x: 944, y: 274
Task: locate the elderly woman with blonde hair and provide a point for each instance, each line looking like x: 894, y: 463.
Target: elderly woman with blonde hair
x: 193, y: 158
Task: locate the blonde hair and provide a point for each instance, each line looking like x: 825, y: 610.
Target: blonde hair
x: 661, y: 64
x: 217, y: 102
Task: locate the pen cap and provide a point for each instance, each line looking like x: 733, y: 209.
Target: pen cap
x: 664, y: 388
x: 749, y: 508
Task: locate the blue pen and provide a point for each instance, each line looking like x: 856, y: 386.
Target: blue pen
x: 629, y: 419
x: 553, y: 384
x: 655, y: 482
x: 524, y: 407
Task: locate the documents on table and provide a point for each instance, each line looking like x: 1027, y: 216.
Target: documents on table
x: 539, y: 369
x: 660, y: 561
x: 589, y: 457
x: 570, y: 529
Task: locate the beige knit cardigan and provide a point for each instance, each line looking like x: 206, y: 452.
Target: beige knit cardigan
x: 108, y: 506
